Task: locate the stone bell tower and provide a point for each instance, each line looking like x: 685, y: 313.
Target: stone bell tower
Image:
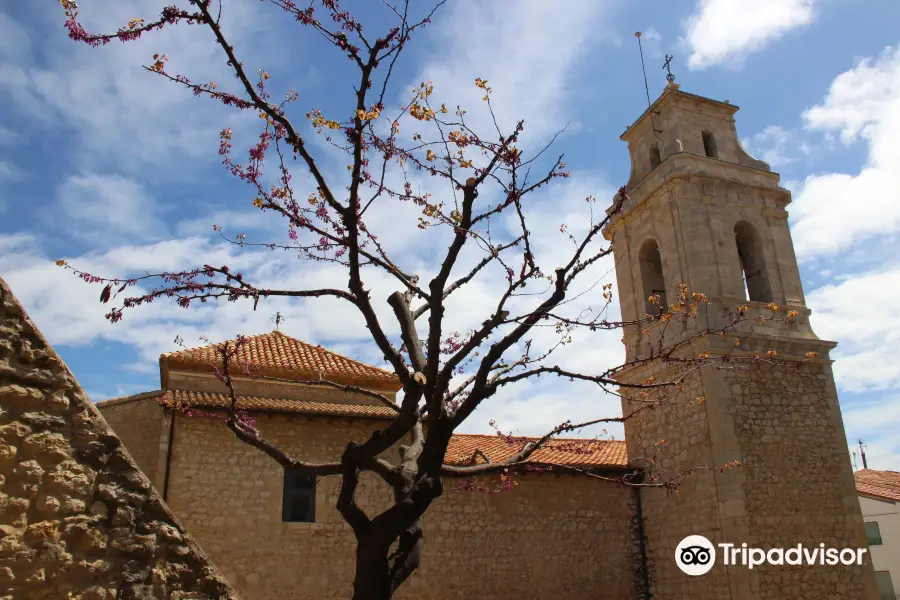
x: 705, y: 214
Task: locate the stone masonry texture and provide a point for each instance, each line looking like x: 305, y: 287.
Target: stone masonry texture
x: 783, y: 423
x: 143, y: 424
x: 553, y: 536
x: 78, y: 519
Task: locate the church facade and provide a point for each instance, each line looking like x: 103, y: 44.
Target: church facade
x: 701, y: 213
x: 275, y: 537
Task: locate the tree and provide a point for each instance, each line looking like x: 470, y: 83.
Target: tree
x: 444, y: 376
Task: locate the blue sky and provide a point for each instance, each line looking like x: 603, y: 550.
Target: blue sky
x: 116, y: 170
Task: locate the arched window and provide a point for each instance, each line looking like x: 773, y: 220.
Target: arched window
x: 750, y: 252
x: 709, y: 145
x: 652, y: 280
x: 654, y: 157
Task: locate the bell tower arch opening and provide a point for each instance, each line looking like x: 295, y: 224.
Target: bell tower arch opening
x: 653, y: 281
x: 753, y: 264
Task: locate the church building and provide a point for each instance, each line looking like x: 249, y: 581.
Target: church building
x: 701, y: 213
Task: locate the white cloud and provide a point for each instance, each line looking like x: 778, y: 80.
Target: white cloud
x: 860, y: 313
x: 531, y: 80
x: 13, y: 39
x: 16, y: 242
x: 526, y: 49
x: 7, y: 136
x: 833, y: 211
x: 776, y: 146
x: 68, y: 310
x: 651, y: 40
x: 236, y: 221
x: 723, y: 31
x: 118, y: 110
x: 875, y: 423
x: 113, y: 207
x: 537, y: 406
x: 10, y: 172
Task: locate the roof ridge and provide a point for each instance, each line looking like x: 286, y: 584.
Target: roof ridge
x: 277, y: 352
x: 535, y: 437
x: 197, y: 399
x: 310, y: 345
x: 130, y: 398
x: 212, y: 393
x: 333, y: 353
x: 211, y: 344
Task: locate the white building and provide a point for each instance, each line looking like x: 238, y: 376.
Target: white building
x: 879, y: 498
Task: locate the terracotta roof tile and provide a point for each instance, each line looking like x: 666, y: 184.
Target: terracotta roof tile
x: 186, y: 399
x: 276, y: 352
x: 883, y: 484
x: 569, y: 452
x: 575, y: 452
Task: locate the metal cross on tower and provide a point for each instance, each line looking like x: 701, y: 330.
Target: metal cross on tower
x: 670, y: 77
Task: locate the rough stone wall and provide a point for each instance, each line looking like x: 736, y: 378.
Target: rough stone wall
x: 798, y: 480
x: 794, y: 485
x: 552, y: 536
x: 786, y: 429
x: 78, y: 520
x: 668, y: 518
x: 678, y: 124
x: 692, y: 217
x: 139, y: 424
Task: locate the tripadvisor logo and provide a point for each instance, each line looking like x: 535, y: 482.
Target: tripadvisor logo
x: 696, y: 555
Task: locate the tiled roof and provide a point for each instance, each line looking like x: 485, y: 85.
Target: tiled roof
x: 277, y: 353
x: 568, y: 452
x: 883, y: 484
x: 186, y: 399
x: 584, y: 453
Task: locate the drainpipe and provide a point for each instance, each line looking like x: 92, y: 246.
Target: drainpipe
x: 643, y: 579
x: 165, y: 490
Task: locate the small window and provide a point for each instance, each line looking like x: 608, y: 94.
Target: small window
x: 709, y: 145
x: 885, y: 585
x: 873, y: 533
x: 299, y: 497
x: 654, y: 157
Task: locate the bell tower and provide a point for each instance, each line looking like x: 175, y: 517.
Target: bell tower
x: 704, y: 214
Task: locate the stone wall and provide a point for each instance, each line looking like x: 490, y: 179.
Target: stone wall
x: 794, y: 485
x: 798, y: 481
x: 677, y: 126
x: 684, y: 426
x: 552, y: 536
x: 139, y: 424
x: 785, y: 427
x: 78, y: 519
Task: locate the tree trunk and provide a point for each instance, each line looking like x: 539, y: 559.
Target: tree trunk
x: 372, y: 580
x: 378, y: 573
